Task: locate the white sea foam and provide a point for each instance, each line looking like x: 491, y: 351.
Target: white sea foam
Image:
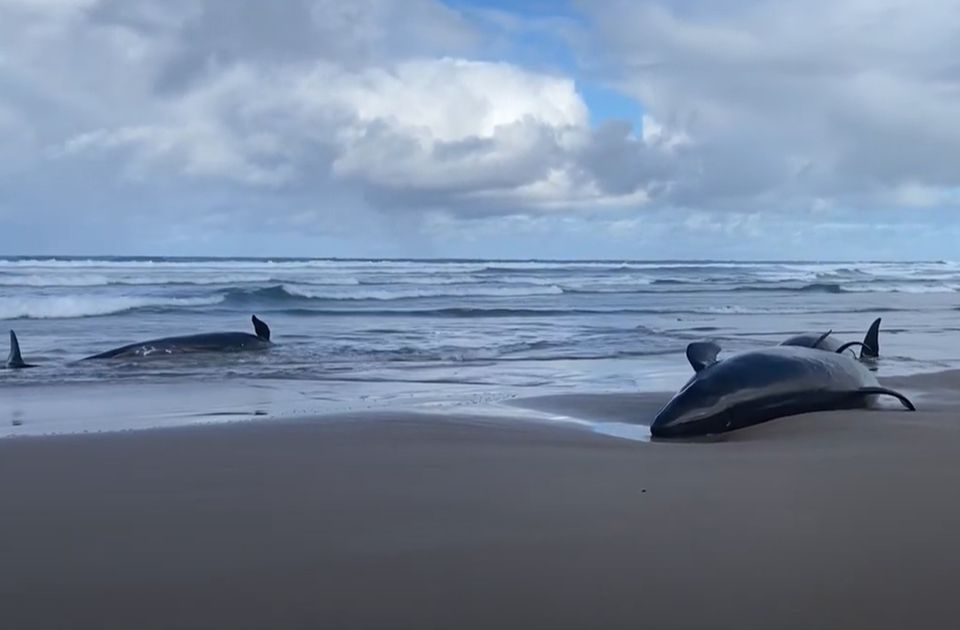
x: 39, y: 279
x: 49, y: 280
x: 401, y: 292
x: 901, y: 288
x: 731, y: 310
x: 68, y: 306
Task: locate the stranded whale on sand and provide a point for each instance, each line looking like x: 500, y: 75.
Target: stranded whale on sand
x: 760, y: 385
x: 205, y: 342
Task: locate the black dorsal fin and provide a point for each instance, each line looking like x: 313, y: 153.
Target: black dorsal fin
x: 871, y: 341
x: 261, y: 328
x: 702, y: 354
x: 14, y: 360
x: 822, y: 337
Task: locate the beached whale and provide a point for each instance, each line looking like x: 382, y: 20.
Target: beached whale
x: 760, y: 385
x: 14, y: 360
x: 205, y: 342
x: 869, y: 347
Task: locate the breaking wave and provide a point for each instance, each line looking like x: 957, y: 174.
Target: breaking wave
x: 70, y: 306
x: 287, y: 292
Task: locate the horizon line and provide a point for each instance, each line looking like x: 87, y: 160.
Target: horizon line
x: 187, y: 257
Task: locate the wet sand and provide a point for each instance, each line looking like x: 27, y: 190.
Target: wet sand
x: 399, y: 520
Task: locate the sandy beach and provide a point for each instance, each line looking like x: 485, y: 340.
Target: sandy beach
x: 833, y: 520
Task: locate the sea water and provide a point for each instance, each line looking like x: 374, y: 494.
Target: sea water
x: 362, y: 334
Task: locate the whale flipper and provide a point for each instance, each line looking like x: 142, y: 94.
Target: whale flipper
x: 883, y: 391
x: 261, y: 328
x: 851, y: 344
x: 871, y: 341
x: 702, y: 354
x: 14, y: 360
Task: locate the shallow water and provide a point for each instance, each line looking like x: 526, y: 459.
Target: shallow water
x: 354, y: 334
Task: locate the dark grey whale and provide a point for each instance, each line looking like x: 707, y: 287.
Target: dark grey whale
x: 205, y: 342
x: 14, y: 360
x: 760, y: 385
x: 869, y: 347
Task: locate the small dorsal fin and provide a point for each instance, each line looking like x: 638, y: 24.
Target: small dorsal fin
x: 871, y: 341
x: 822, y: 337
x: 702, y: 354
x: 261, y: 328
x: 14, y: 360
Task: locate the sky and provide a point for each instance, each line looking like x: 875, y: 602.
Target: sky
x: 701, y: 129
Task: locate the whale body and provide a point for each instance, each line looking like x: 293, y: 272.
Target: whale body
x: 760, y: 385
x: 204, y: 342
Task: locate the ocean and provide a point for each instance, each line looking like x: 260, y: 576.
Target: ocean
x: 362, y: 334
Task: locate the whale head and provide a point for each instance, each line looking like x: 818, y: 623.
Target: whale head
x: 699, y: 407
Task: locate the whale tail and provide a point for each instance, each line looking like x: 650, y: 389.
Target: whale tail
x: 14, y: 360
x: 261, y: 328
x: 871, y: 341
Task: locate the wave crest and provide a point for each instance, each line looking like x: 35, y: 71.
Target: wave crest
x: 287, y: 292
x: 72, y: 306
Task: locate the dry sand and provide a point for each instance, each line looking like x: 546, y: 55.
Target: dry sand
x: 833, y: 520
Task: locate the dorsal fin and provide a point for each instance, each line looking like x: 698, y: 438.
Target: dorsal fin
x: 871, y: 341
x: 14, y: 360
x: 822, y: 337
x: 261, y: 328
x: 702, y: 354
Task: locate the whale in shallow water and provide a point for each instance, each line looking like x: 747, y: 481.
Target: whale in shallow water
x: 14, y: 360
x: 205, y: 342
x: 760, y: 385
x: 869, y: 347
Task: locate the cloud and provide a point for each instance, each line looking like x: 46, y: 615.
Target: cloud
x: 240, y: 121
x: 443, y: 132
x: 313, y: 94
x: 785, y: 102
